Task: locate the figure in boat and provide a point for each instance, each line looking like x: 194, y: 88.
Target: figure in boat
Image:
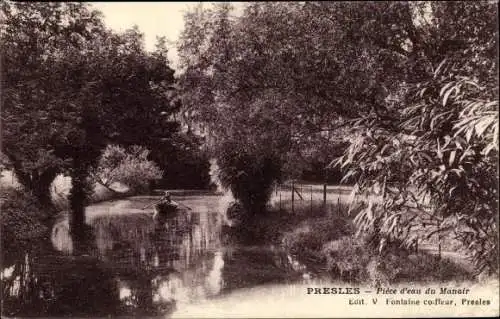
x: 166, y: 207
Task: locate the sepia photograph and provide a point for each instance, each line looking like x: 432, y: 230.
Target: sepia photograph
x: 299, y: 159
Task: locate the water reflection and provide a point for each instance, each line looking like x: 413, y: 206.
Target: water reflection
x: 214, y: 280
x: 41, y: 285
x: 135, y: 267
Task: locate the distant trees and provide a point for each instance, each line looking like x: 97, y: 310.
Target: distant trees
x: 410, y: 87
x: 184, y: 162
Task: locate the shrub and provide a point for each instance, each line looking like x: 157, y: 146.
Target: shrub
x: 127, y: 166
x: 236, y: 213
x: 21, y: 218
x: 347, y: 259
x: 249, y: 173
x: 352, y: 259
x: 306, y: 241
x: 425, y: 267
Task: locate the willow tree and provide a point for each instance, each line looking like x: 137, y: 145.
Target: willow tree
x: 411, y: 87
x: 432, y: 154
x: 252, y: 82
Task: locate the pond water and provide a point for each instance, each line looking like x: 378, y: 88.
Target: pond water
x: 136, y: 267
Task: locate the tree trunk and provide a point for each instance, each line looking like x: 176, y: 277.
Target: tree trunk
x: 77, y: 198
x: 41, y: 188
x: 38, y: 184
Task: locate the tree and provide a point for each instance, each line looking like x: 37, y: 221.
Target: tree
x: 215, y: 92
x: 71, y: 88
x: 411, y: 87
x: 184, y: 162
x: 130, y: 167
x: 250, y: 165
x: 435, y: 164
x: 33, y: 36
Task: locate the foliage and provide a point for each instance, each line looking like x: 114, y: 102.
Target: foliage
x: 307, y: 70
x: 308, y: 237
x: 127, y: 166
x: 249, y: 174
x: 433, y: 160
x: 351, y: 259
x: 183, y: 161
x: 248, y: 164
x: 21, y: 218
x: 425, y: 267
x: 347, y: 259
x: 70, y: 88
x: 34, y: 36
x: 306, y: 240
x: 412, y: 88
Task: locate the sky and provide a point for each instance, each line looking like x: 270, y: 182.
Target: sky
x: 153, y: 19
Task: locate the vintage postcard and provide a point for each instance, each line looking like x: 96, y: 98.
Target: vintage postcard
x: 249, y: 159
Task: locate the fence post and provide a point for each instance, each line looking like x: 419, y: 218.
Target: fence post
x: 280, y: 197
x: 338, y: 205
x: 439, y: 239
x: 324, y: 195
x: 311, y: 206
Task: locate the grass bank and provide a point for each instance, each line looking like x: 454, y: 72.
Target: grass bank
x: 23, y: 221
x: 323, y: 239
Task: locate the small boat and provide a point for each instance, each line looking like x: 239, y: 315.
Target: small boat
x: 164, y: 210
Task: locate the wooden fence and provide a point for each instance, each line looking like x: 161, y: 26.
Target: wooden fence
x: 294, y: 194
